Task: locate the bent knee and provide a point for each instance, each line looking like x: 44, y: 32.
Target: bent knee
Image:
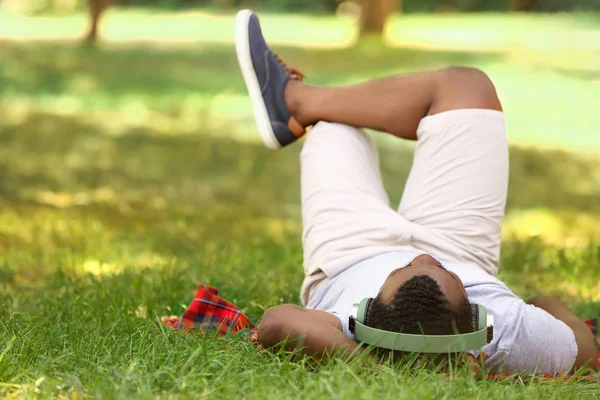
x: 330, y: 134
x: 465, y: 74
x: 464, y: 87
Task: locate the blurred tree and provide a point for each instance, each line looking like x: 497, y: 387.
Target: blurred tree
x: 469, y: 5
x: 96, y: 8
x: 520, y: 5
x: 374, y: 14
x: 225, y: 4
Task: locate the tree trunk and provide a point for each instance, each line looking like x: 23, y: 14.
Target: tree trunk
x: 520, y: 5
x: 96, y: 8
x: 224, y: 4
x: 374, y: 14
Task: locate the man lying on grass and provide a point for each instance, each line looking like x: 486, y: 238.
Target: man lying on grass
x: 427, y: 261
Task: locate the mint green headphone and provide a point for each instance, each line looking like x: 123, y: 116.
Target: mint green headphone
x: 420, y: 343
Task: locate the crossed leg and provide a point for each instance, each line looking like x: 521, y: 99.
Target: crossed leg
x: 394, y: 104
x: 454, y: 199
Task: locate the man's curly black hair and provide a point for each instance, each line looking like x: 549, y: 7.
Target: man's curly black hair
x: 420, y: 307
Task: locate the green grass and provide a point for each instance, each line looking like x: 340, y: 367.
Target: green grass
x: 131, y: 173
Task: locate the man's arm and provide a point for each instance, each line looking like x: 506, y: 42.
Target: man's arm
x: 587, y: 355
x: 314, y: 333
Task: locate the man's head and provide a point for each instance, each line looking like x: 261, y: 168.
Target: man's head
x: 422, y: 297
x: 425, y: 298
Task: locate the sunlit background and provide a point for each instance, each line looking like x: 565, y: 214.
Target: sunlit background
x: 131, y: 169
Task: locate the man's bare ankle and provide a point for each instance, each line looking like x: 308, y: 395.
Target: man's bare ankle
x: 294, y: 94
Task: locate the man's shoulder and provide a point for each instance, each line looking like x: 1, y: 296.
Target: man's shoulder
x: 472, y: 274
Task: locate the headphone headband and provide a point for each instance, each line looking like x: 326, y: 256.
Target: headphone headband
x: 420, y: 343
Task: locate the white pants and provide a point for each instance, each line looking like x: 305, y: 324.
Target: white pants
x: 452, y: 206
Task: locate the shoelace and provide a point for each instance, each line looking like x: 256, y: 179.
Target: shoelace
x: 295, y: 74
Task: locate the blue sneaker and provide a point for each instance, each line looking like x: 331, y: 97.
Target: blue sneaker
x: 266, y: 76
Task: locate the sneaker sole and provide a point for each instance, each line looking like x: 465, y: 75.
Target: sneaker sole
x: 242, y: 48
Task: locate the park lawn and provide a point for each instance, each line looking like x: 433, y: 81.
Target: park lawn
x: 101, y: 236
x: 131, y: 173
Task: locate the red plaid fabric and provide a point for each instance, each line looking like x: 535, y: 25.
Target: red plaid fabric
x: 209, y: 312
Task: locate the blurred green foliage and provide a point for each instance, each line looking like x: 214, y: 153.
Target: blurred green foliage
x: 499, y: 5
x: 542, y: 65
x: 323, y: 6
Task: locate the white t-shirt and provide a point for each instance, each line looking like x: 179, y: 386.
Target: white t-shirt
x: 526, y: 338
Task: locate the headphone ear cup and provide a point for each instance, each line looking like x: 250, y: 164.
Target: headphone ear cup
x: 474, y: 317
x: 481, y: 317
x: 363, y: 310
